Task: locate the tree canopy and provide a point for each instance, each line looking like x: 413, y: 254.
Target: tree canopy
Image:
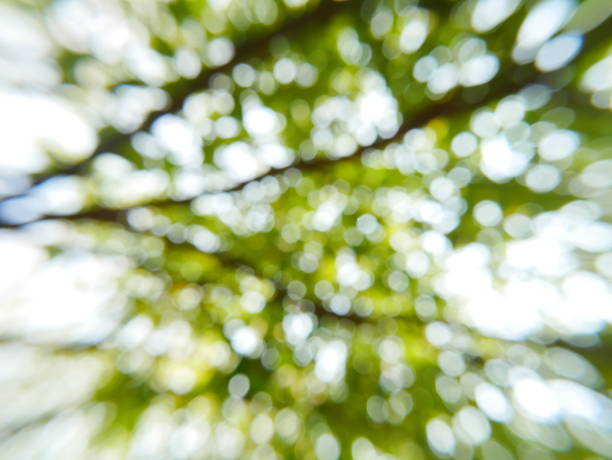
x: 305, y: 229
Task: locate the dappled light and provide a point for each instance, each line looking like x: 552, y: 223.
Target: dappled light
x: 310, y: 229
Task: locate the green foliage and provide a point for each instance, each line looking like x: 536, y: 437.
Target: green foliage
x: 315, y: 230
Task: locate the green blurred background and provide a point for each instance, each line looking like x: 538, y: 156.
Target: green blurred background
x: 315, y: 230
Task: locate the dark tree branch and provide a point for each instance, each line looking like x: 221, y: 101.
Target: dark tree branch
x: 517, y: 76
x: 451, y: 106
x: 180, y: 90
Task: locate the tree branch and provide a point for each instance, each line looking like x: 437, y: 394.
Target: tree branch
x: 448, y: 107
x: 518, y: 76
x: 180, y: 90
